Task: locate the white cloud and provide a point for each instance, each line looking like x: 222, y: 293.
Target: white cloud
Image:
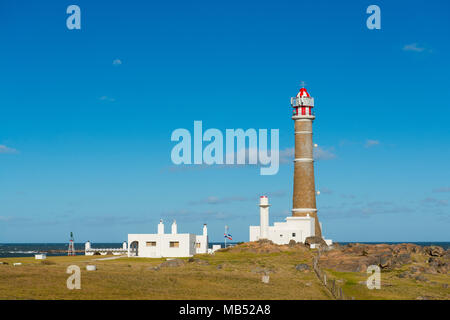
x: 442, y: 189
x: 117, y: 62
x: 218, y: 200
x: 106, y: 98
x: 324, y: 154
x: 325, y: 190
x: 435, y: 202
x: 287, y: 155
x: 237, y: 198
x: 413, y: 47
x: 5, y: 149
x: 370, y: 143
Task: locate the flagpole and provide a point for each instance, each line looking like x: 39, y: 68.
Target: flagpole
x: 226, y: 234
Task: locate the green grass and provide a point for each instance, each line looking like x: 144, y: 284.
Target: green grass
x: 134, y: 278
x: 392, y: 287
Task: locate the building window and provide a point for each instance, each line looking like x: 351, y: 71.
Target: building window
x: 293, y: 234
x: 281, y: 235
x: 150, y: 243
x: 174, y: 244
x: 197, y: 245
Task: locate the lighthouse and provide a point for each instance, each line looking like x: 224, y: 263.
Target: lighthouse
x: 304, y: 196
x: 304, y: 222
x: 264, y: 217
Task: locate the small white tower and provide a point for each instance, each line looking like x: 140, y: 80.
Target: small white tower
x: 264, y: 217
x: 161, y: 227
x: 87, y: 245
x: 205, y: 230
x: 124, y: 245
x: 174, y: 227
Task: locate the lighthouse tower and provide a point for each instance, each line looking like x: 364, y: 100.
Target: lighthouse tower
x: 304, y: 197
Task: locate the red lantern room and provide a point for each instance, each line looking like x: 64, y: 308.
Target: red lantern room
x: 302, y: 104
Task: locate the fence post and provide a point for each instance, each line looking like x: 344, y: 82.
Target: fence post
x: 332, y: 286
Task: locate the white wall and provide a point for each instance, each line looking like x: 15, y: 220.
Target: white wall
x: 162, y: 249
x: 283, y: 232
x: 254, y: 233
x: 203, y: 240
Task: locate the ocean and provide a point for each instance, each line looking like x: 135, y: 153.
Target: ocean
x: 9, y: 250
x: 60, y: 249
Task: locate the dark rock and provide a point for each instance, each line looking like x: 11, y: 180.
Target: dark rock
x: 265, y: 241
x: 219, y: 267
x: 437, y: 265
x: 266, y: 271
x: 434, y: 251
x: 421, y: 277
x: 172, y: 263
x: 414, y: 269
x: 315, y: 240
x: 402, y: 259
x: 302, y: 267
x: 447, y: 254
x: 198, y: 261
x: 405, y: 274
x: 385, y: 260
x: 431, y: 270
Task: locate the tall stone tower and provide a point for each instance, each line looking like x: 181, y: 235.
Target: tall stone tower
x: 304, y: 197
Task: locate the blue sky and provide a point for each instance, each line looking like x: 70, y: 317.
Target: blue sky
x: 86, y: 115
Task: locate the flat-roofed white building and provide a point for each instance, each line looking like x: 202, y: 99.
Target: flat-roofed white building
x: 170, y: 245
x: 295, y: 228
x: 40, y: 256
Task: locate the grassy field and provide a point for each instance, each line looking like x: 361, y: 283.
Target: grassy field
x: 437, y: 286
x: 233, y: 274
x: 225, y: 275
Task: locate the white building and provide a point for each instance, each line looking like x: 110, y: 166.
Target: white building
x: 89, y: 251
x: 295, y: 228
x: 40, y: 256
x: 174, y: 244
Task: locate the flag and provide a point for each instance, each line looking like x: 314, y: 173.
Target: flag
x: 228, y: 236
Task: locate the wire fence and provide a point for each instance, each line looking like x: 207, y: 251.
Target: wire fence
x: 334, y: 288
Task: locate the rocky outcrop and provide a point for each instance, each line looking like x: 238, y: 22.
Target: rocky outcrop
x: 315, y: 240
x: 265, y: 271
x: 434, y: 251
x: 198, y: 261
x: 172, y: 263
x: 265, y: 246
x: 437, y: 265
x: 357, y: 257
x: 302, y: 267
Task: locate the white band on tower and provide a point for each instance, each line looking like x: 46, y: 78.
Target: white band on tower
x: 303, y: 160
x: 303, y: 209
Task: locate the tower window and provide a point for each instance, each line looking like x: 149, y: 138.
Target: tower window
x: 197, y: 245
x: 150, y: 244
x: 293, y: 234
